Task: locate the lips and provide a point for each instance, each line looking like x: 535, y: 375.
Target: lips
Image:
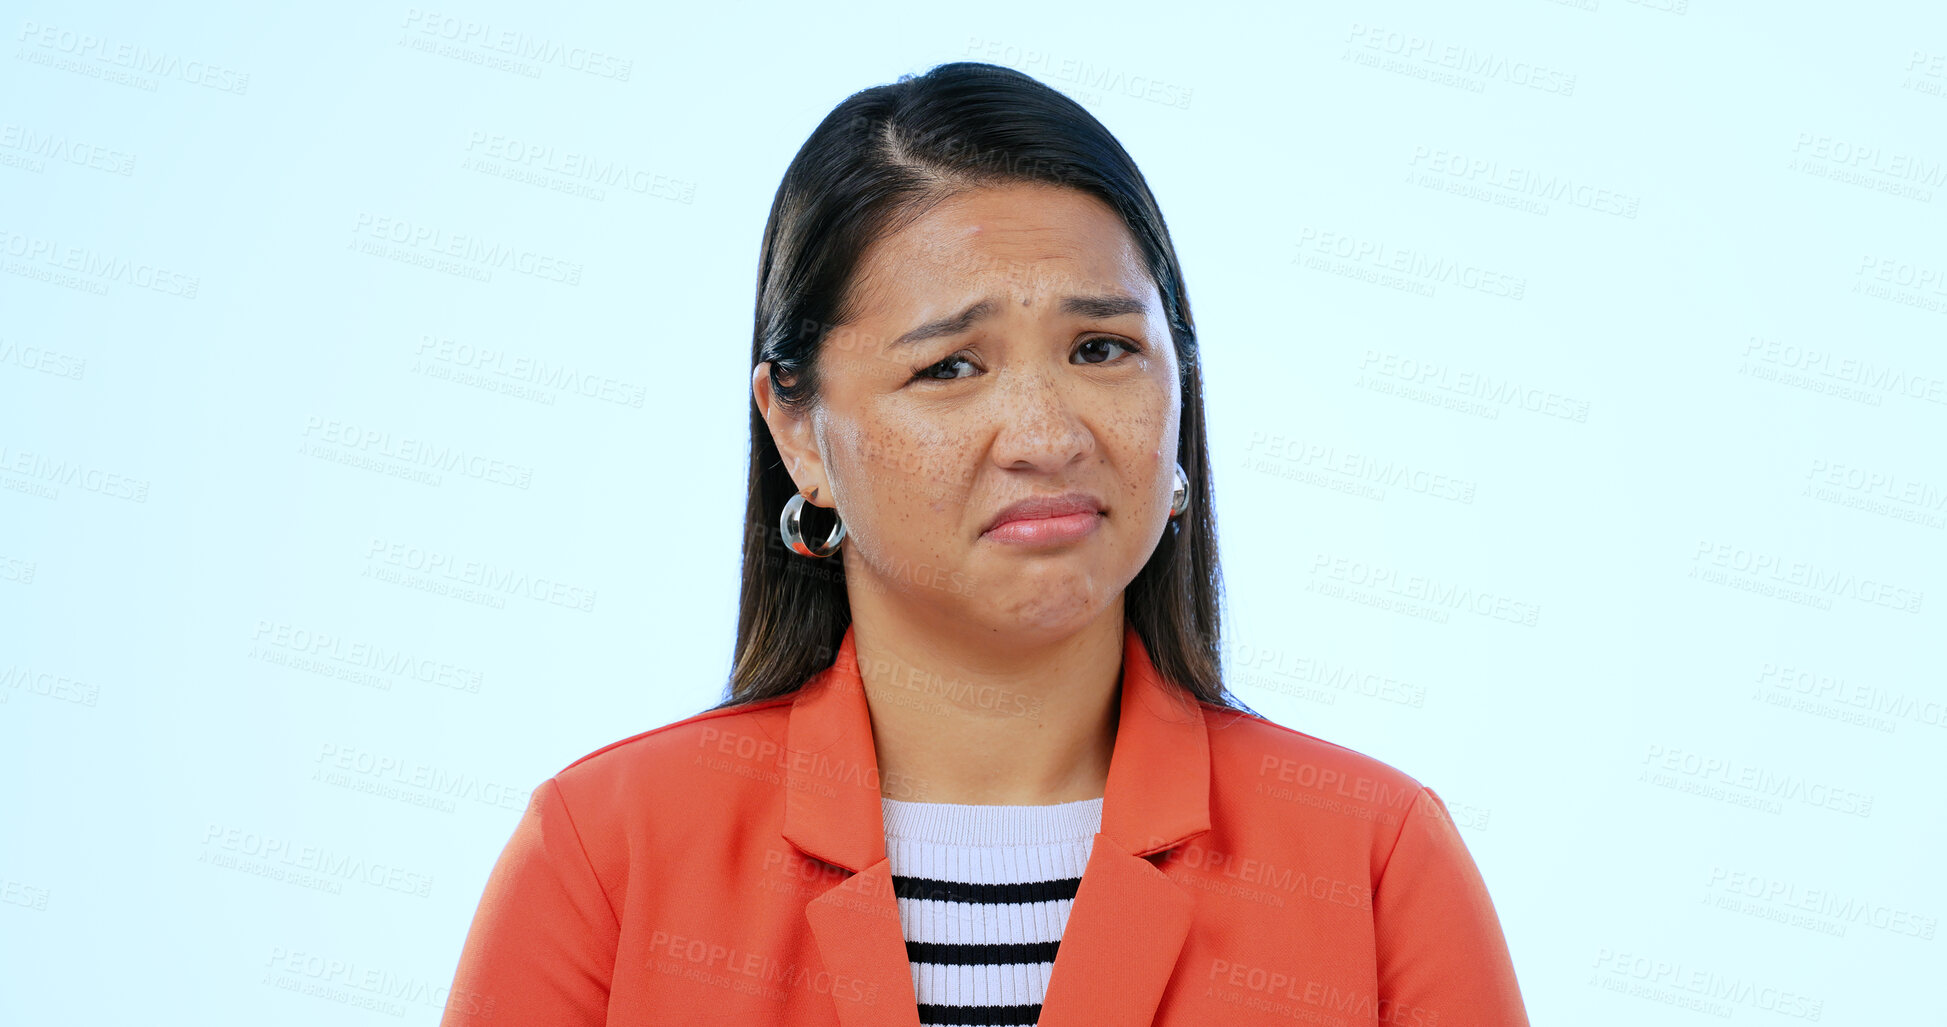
x: 1037, y: 507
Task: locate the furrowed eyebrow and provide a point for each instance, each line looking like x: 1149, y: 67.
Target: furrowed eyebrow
x: 1102, y: 306
x: 951, y: 325
x: 1078, y: 306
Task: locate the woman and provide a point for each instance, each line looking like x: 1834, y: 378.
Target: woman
x: 977, y: 765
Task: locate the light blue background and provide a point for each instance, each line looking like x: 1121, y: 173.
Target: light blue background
x: 167, y: 533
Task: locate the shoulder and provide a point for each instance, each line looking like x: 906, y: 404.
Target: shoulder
x: 710, y: 757
x: 1269, y: 766
x: 1267, y: 749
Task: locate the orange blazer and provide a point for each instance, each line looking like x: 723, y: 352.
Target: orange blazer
x: 730, y: 868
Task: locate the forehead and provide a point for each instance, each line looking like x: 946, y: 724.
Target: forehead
x: 1031, y: 238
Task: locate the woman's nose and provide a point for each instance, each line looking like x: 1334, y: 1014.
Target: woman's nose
x: 1040, y: 424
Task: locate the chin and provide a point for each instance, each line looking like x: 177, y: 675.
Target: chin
x: 1051, y: 609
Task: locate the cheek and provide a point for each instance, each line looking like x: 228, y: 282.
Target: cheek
x: 1140, y: 439
x: 907, y: 472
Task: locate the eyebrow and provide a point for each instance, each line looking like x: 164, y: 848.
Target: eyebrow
x: 1099, y: 307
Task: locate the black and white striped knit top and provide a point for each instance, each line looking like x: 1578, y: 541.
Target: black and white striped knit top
x: 984, y: 894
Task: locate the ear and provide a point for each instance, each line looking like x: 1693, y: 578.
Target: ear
x: 793, y: 432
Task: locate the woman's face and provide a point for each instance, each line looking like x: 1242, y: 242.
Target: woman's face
x: 1045, y: 369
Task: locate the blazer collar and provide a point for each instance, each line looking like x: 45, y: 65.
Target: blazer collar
x: 1157, y: 794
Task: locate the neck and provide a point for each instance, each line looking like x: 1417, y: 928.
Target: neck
x: 986, y: 720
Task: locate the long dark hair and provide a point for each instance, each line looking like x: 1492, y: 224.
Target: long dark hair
x: 876, y: 163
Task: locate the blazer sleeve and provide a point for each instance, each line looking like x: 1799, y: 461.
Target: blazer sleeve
x: 1442, y: 957
x: 541, y: 949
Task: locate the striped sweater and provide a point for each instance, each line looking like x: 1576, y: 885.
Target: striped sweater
x: 984, y: 893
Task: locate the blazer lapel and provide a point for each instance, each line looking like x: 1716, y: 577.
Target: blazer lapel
x: 856, y: 923
x: 1128, y: 921
x: 832, y: 813
x: 1122, y: 939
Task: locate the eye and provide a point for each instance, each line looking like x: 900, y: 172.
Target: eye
x: 1131, y: 347
x: 945, y: 370
x: 927, y: 373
